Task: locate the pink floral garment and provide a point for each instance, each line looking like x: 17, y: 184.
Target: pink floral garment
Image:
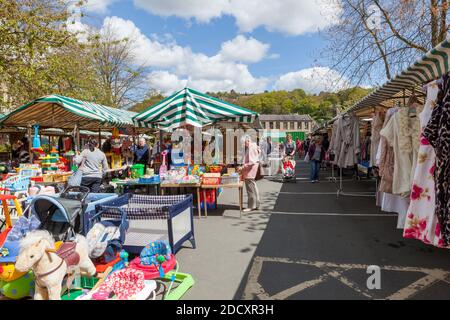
x: 421, y: 221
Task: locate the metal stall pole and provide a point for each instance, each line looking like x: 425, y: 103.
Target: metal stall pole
x: 30, y: 148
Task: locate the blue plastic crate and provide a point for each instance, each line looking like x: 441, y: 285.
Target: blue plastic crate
x: 17, y: 183
x: 154, y: 179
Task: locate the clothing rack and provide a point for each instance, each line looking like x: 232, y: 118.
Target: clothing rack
x: 332, y: 178
x: 340, y: 191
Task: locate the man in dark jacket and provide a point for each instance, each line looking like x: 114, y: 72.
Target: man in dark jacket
x: 316, y: 154
x: 141, y: 152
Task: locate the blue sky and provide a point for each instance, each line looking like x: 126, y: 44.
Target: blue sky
x: 212, y: 45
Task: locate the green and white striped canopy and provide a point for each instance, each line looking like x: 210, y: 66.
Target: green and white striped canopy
x: 433, y: 65
x: 190, y: 107
x: 55, y: 111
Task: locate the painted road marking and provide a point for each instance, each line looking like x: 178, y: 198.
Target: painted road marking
x: 332, y: 270
x: 332, y: 214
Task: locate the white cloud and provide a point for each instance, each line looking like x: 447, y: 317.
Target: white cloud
x: 177, y: 65
x: 244, y: 49
x: 98, y: 6
x: 313, y: 80
x: 165, y: 82
x: 201, y: 10
x: 274, y: 56
x: 168, y: 83
x: 292, y: 17
x: 146, y: 52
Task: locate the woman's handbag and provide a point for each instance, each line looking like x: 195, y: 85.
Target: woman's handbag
x: 75, y: 179
x: 307, y: 157
x: 259, y: 174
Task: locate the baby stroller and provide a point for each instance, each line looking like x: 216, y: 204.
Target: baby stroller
x: 61, y: 216
x: 288, y: 169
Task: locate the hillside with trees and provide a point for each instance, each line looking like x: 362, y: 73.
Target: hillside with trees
x: 321, y: 107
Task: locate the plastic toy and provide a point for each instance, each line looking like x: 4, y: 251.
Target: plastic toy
x: 123, y: 263
x: 13, y: 283
x: 20, y: 288
x: 184, y: 282
x: 36, y: 138
x: 163, y: 169
x: 37, y: 253
x: 6, y: 200
x: 155, y: 254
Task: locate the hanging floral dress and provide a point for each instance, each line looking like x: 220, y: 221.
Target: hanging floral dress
x: 437, y: 133
x: 421, y: 221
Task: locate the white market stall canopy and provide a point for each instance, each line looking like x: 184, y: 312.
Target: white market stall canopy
x: 432, y: 66
x: 190, y: 107
x: 55, y: 111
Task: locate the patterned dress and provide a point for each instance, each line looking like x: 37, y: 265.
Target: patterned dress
x: 437, y: 133
x: 421, y: 221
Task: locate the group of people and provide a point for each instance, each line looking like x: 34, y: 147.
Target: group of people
x: 94, y: 165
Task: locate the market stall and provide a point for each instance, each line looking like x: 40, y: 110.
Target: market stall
x: 191, y: 109
x: 127, y: 235
x: 407, y: 118
x: 65, y: 121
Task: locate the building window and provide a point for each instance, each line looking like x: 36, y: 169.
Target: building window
x: 300, y: 125
x: 292, y: 125
x: 277, y: 125
x: 307, y: 125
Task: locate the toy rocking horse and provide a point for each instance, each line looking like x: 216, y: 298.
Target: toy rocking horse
x: 50, y: 266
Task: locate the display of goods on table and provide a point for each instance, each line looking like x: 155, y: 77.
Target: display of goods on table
x: 211, y: 179
x: 29, y: 170
x: 16, y: 183
x: 137, y: 171
x: 179, y: 176
x: 150, y: 179
x: 53, y: 162
x: 233, y: 178
x: 214, y: 169
x: 196, y: 170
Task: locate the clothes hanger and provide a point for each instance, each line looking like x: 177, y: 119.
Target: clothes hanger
x: 412, y: 111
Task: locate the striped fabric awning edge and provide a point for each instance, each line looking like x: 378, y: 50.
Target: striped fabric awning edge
x: 82, y: 109
x: 431, y: 66
x: 190, y: 107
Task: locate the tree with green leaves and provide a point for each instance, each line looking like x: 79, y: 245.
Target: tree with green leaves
x: 33, y: 33
x: 120, y: 80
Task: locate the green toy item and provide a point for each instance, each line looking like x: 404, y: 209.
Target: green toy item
x: 81, y: 286
x: 184, y: 280
x: 19, y: 288
x: 137, y: 171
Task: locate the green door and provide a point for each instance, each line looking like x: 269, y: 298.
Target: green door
x: 300, y: 135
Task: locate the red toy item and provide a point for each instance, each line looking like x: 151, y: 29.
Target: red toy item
x: 288, y: 165
x: 101, y: 267
x: 151, y: 271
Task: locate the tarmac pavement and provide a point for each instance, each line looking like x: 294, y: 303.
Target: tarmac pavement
x: 319, y: 246
x: 308, y: 243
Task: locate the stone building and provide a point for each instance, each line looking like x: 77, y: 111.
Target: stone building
x: 299, y: 126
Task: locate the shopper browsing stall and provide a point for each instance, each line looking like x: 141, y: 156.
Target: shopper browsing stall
x: 93, y: 164
x: 20, y: 151
x: 141, y: 152
x: 249, y: 172
x: 289, y: 147
x: 316, y: 154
